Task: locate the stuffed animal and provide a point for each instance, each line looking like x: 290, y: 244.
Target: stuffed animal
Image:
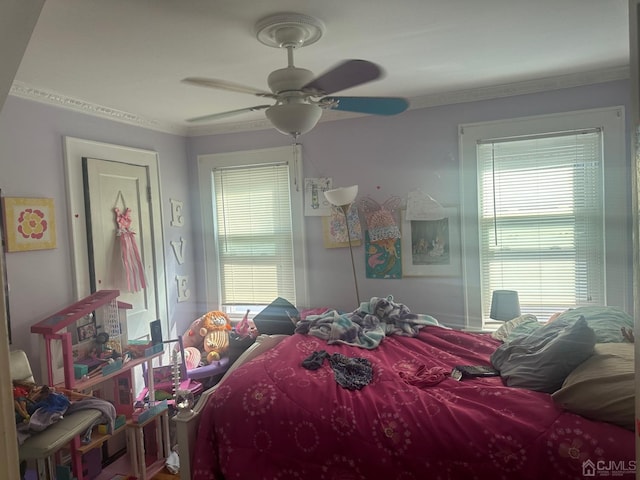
x: 214, y: 320
x: 216, y: 344
x: 215, y: 327
x: 192, y: 357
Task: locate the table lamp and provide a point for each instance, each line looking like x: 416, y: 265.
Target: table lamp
x: 504, y: 305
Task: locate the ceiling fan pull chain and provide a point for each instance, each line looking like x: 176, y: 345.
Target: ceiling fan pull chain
x: 294, y: 144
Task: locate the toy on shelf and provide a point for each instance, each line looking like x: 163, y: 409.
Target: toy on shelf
x: 184, y: 398
x: 168, y: 380
x: 113, y: 328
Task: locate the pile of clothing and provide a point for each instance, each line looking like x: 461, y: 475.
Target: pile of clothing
x: 39, y: 406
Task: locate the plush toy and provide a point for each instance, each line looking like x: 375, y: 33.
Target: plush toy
x: 215, y: 327
x: 192, y: 357
x: 216, y: 344
x: 214, y: 320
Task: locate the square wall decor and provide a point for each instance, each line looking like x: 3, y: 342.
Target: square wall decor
x: 29, y: 223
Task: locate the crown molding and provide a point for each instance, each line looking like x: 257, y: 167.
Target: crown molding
x: 522, y: 88
x: 22, y: 90
x: 41, y: 95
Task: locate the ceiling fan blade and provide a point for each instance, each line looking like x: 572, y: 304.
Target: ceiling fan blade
x: 345, y: 75
x: 224, y: 85
x: 230, y: 113
x: 372, y: 105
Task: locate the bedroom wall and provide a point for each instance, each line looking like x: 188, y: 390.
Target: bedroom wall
x: 391, y: 156
x: 385, y: 156
x: 32, y: 164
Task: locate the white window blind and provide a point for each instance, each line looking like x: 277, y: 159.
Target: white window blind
x: 254, y: 234
x: 541, y: 220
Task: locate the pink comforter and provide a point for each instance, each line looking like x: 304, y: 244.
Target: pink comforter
x: 273, y: 419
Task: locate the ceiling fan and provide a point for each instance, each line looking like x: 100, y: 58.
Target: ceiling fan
x: 299, y: 97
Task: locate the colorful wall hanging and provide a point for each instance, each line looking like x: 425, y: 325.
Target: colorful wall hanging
x: 334, y: 229
x: 134, y: 270
x: 382, y: 238
x: 383, y: 258
x: 29, y: 223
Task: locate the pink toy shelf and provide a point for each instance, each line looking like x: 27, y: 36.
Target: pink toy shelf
x: 56, y: 327
x: 89, y: 333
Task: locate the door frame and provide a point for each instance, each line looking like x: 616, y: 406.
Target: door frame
x: 74, y: 150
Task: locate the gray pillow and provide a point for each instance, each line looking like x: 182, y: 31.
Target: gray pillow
x: 542, y: 360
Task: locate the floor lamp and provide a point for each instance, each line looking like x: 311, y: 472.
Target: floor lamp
x: 343, y: 198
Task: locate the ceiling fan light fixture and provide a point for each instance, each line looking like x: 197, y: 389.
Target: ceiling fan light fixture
x: 300, y: 96
x: 294, y: 118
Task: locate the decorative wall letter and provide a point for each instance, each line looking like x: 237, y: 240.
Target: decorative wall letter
x: 178, y: 250
x: 177, y: 220
x: 183, y: 291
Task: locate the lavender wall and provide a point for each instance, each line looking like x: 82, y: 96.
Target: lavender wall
x: 391, y: 156
x: 32, y: 164
x: 385, y: 156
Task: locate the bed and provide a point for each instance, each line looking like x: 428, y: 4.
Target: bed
x: 273, y: 418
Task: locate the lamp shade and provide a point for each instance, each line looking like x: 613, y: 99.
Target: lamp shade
x: 341, y: 196
x: 294, y: 118
x: 504, y: 305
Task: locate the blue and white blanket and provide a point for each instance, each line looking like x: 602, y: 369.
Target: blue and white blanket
x: 367, y: 326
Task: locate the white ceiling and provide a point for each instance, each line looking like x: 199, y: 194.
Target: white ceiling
x: 125, y: 58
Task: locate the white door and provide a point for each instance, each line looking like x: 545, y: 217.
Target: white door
x: 154, y: 299
x: 110, y: 185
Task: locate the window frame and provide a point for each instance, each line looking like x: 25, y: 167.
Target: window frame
x: 612, y: 121
x: 206, y: 164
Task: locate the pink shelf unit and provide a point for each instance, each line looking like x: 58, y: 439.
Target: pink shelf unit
x: 51, y: 329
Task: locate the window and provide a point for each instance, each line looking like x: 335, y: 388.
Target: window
x: 541, y: 220
x: 252, y: 212
x: 533, y: 202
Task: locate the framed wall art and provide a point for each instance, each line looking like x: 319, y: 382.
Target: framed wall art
x: 431, y: 247
x: 29, y: 223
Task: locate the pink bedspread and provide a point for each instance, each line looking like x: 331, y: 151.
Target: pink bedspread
x: 273, y: 419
